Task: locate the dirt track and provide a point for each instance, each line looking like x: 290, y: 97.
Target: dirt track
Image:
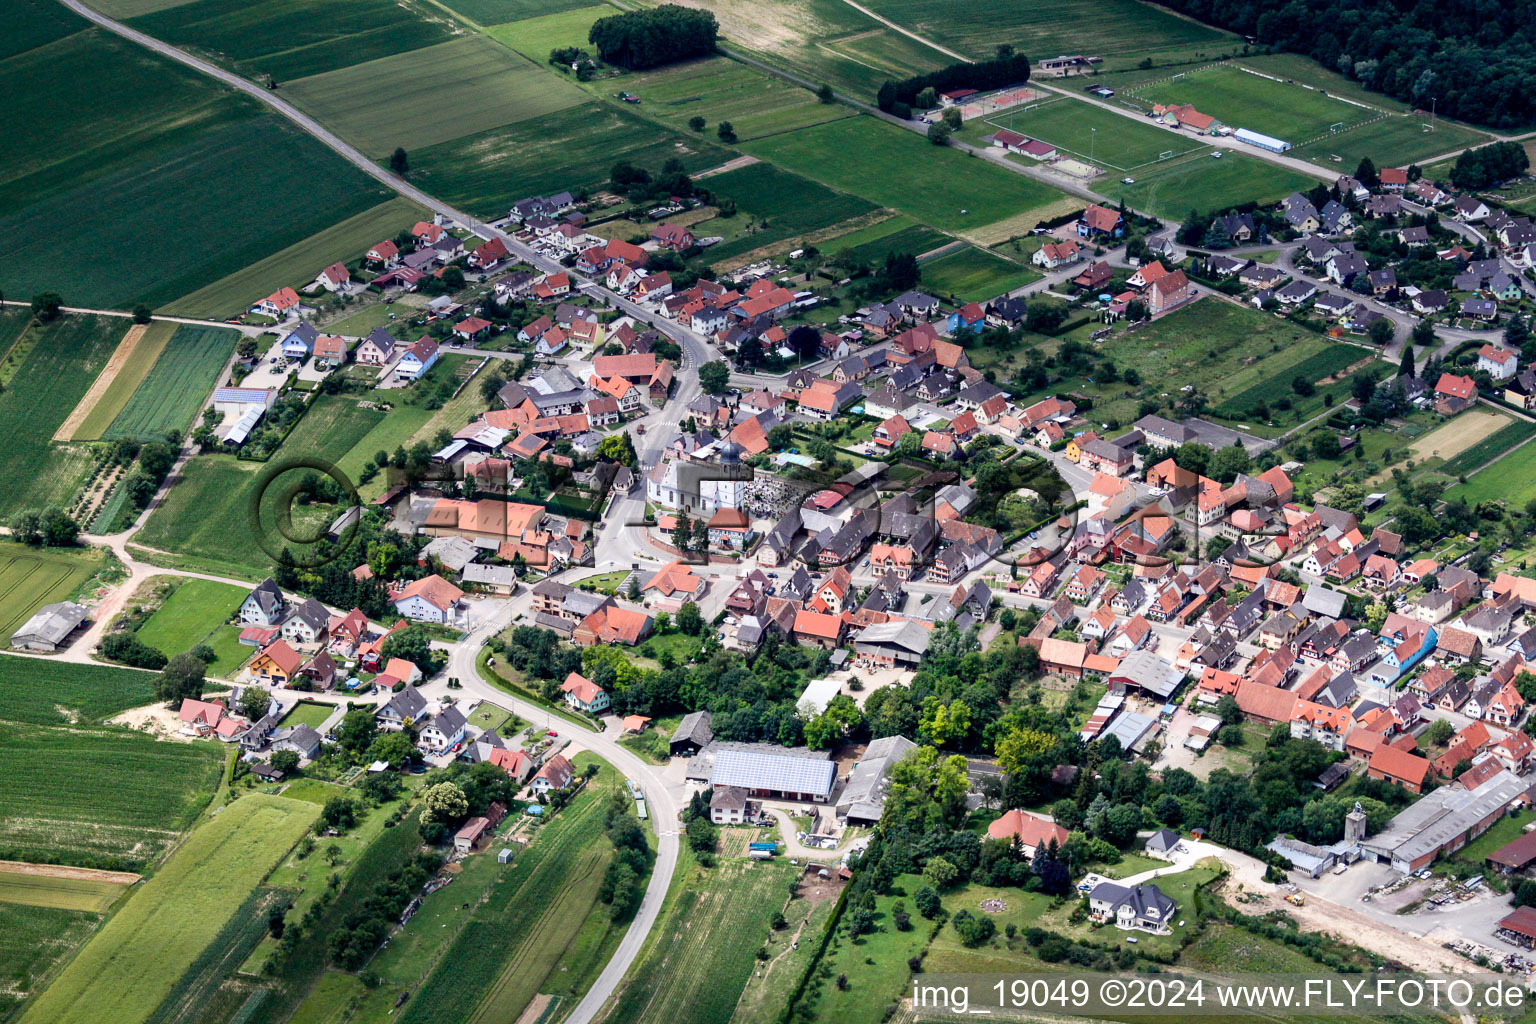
x: 104, y: 379
x: 17, y: 867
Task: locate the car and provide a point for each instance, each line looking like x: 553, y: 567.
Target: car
x: 1132, y: 939
x: 1127, y: 181
x: 719, y: 636
x: 551, y: 732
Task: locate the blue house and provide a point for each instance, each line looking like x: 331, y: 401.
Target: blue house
x: 1408, y: 648
x: 300, y: 342
x: 968, y: 319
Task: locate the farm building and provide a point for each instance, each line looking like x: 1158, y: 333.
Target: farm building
x: 766, y: 770
x: 693, y: 734
x: 1444, y: 821
x: 49, y: 627
x: 1268, y: 142
x: 863, y: 799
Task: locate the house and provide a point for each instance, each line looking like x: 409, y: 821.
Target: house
x: 278, y: 305
x: 1095, y: 275
x: 1135, y: 908
x: 556, y: 773
x: 334, y: 278
x: 672, y: 236
x: 1498, y: 362
x: 300, y: 342
x: 1169, y: 291
x: 1430, y: 301
x: 1480, y: 309
x: 417, y: 360
x: 1454, y: 394
x: 1470, y: 209
x: 1057, y: 254
x: 301, y: 739
x: 429, y: 599
x: 443, y: 730
x: 1098, y: 221
x: 1383, y: 282
x: 583, y: 694
x: 307, y: 623
x: 1031, y: 832
x: 277, y: 664
x: 377, y: 349
x: 488, y: 255
x: 1398, y: 767
x: 264, y: 605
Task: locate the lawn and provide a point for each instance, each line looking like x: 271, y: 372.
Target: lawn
x: 896, y: 234
x: 702, y: 952
x: 134, y: 962
x: 1500, y: 834
x: 535, y: 37
x: 55, y: 374
x: 779, y: 206
x: 190, y: 615
x: 93, y: 894
x: 297, y: 263
x: 307, y: 712
x: 575, y: 148
x: 976, y: 27
x: 290, y: 38
x: 893, y: 167
x: 719, y: 89
x: 178, y: 385
x: 1242, y: 100
x: 1092, y: 133
x: 45, y: 692
x: 436, y: 94
x: 32, y: 577
x: 490, y: 717
x: 34, y: 943
x: 1200, y: 182
x: 55, y: 806
x: 973, y: 275
x: 1511, y: 480
x: 130, y: 374
x: 210, y: 504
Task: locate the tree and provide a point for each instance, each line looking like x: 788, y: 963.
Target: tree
x: 142, y: 314
x: 398, y: 162
x: 1405, y: 365
x: 926, y: 99
x: 1135, y: 311
x: 1228, y: 462
x: 182, y: 677
x: 682, y: 533
x: 954, y: 119
x: 689, y: 621
x: 650, y: 37
x: 1365, y: 173
x: 1423, y: 334
x: 285, y: 761
x: 697, y: 123
x: 1380, y: 332
x: 618, y: 448
x: 357, y: 730
x: 47, y: 305
x: 726, y: 131
x: 254, y: 702
x: 940, y: 873
x: 824, y: 93
x: 939, y: 133
x: 1439, y: 732
x: 714, y: 377
x: 927, y: 902
x: 394, y: 748
x: 414, y: 644
x: 445, y: 803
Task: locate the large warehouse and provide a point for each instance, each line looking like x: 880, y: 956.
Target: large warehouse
x: 766, y: 771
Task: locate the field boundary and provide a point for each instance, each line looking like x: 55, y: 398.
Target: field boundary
x: 22, y: 867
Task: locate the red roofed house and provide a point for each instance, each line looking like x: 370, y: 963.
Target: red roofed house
x: 1029, y: 831
x: 1098, y: 220
x: 1055, y: 254
x: 672, y: 236
x: 489, y: 254
x: 583, y: 694
x: 889, y: 433
x: 1454, y: 394
x: 1394, y: 178
x: 557, y: 773
x: 277, y: 305
x: 612, y: 624
x: 334, y: 277
x: 276, y: 664
x: 471, y: 329
x: 1399, y: 767
x: 386, y: 254
x: 1168, y: 291
x: 429, y: 599
x: 818, y: 628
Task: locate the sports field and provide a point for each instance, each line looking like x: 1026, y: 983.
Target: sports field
x: 33, y: 577
x: 1392, y: 142
x: 178, y: 385
x: 896, y: 168
x: 1202, y: 182
x: 64, y: 358
x: 718, y: 89
x: 63, y: 888
x: 973, y: 275
x: 1096, y: 135
x: 195, y: 610
x: 1242, y: 100
x: 790, y: 206
x: 976, y: 27
x: 291, y: 38
x: 435, y: 94
x: 132, y: 964
x: 116, y: 383
x: 297, y: 263
x: 575, y: 148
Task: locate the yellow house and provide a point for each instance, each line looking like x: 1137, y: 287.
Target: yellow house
x: 278, y: 662
x: 1074, y: 449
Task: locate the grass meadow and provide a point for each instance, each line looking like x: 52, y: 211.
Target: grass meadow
x: 58, y: 369
x: 1511, y: 480
x: 1200, y: 182
x: 536, y: 36
x: 134, y: 962
x: 175, y: 388
x: 897, y: 168
x: 436, y: 94
x: 973, y: 275
x: 191, y: 615
x: 1088, y: 131
x: 780, y: 205
x: 576, y: 148
x: 93, y: 894
x: 896, y: 234
x: 499, y: 12
x: 32, y: 577
x: 32, y: 23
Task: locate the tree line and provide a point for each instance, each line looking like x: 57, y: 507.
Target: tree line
x: 650, y: 38
x: 1007, y: 68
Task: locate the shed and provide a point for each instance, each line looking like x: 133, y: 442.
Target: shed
x: 1515, y: 856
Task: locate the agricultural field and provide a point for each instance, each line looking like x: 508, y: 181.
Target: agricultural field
x: 701, y: 954
x: 499, y: 12
x: 1328, y: 362
x: 178, y: 385
x: 64, y: 358
x: 1242, y: 100
x: 32, y: 577
x: 437, y: 94
x: 60, y: 888
x: 291, y: 38
x: 1115, y: 29
x: 31, y: 23
x: 157, y: 790
x: 1094, y: 134
x: 200, y: 993
x: 296, y: 264
x: 45, y: 692
x: 719, y: 89
x: 973, y: 275
x: 1511, y: 480
x: 1488, y: 442
x: 777, y: 206
x: 1199, y: 182
x: 133, y: 964
x: 191, y: 615
x: 126, y: 369
x: 34, y: 943
x: 574, y: 148
x: 895, y: 234
x: 209, y: 506
x: 896, y: 168
x: 535, y: 37
x: 519, y: 942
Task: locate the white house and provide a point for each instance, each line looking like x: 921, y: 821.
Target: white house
x: 263, y: 606
x: 307, y: 623
x: 583, y: 694
x: 442, y: 730
x: 334, y: 278
x: 429, y: 599
x: 1498, y: 362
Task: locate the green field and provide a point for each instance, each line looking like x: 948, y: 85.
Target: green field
x: 55, y: 807
x: 32, y: 577
x: 718, y: 89
x: 134, y: 962
x: 1511, y: 480
x: 701, y: 955
x: 1092, y: 133
x: 298, y: 263
x: 178, y: 385
x: 497, y: 12
x: 535, y: 37
x: 1324, y: 363
x: 190, y: 615
x: 204, y: 514
x: 292, y: 38
x: 45, y: 692
x: 973, y: 275
x: 56, y: 373
x: 436, y: 94
x: 34, y: 943
x: 132, y: 373
x: 790, y: 205
x: 31, y: 23
x: 93, y: 894
x: 1242, y: 100
x: 899, y: 234
x: 897, y: 168
x: 976, y: 27
x: 575, y: 148
x: 1393, y: 142
x: 200, y: 994
x: 1199, y: 181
